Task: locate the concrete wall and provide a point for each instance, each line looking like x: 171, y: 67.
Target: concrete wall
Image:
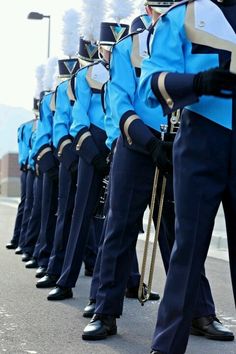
x: 9, y: 175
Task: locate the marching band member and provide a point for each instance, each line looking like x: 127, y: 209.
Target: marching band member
x: 24, y: 133
x: 62, y: 143
x: 195, y: 71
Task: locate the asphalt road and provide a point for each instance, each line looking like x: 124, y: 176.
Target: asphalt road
x: 31, y: 324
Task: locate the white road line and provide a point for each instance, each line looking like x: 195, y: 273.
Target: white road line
x: 13, y: 205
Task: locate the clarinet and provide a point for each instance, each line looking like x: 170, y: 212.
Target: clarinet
x: 100, y: 209
x: 174, y: 121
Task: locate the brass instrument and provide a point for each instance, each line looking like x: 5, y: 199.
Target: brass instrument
x: 144, y: 296
x: 100, y: 209
x: 175, y: 121
x: 144, y: 292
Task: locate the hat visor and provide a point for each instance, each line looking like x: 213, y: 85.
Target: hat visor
x: 160, y: 10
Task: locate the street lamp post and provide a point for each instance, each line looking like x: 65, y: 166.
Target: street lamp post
x: 38, y: 16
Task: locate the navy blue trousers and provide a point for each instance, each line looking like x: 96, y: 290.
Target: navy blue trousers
x: 20, y: 210
x: 88, y: 187
x: 132, y: 179
x: 66, y: 197
x: 35, y: 218
x: 204, y: 175
x: 134, y: 277
x: 91, y: 249
x: 37, y: 248
x: 48, y: 219
x: 27, y: 206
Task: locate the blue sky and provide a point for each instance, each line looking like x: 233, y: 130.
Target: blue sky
x: 24, y: 45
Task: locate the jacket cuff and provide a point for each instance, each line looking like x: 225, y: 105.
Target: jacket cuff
x: 23, y: 167
x: 173, y: 91
x: 85, y: 146
x: 45, y: 159
x: 134, y: 131
x: 68, y: 156
x: 63, y: 142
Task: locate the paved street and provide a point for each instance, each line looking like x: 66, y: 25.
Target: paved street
x: 31, y: 324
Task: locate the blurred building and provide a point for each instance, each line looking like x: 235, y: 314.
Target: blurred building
x: 9, y: 175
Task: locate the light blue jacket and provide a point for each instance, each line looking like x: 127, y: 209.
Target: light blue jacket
x: 182, y: 46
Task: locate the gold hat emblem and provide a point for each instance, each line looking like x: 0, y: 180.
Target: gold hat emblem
x: 117, y: 31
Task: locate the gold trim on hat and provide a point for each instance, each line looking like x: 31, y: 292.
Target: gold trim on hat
x: 119, y: 35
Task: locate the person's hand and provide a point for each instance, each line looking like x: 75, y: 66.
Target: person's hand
x: 217, y: 82
x: 53, y: 173
x: 161, y: 152
x: 101, y: 165
x: 69, y: 158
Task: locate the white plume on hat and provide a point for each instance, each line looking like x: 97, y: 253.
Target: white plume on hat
x: 49, y: 74
x: 70, y: 32
x: 141, y: 7
x: 93, y: 12
x: 120, y: 9
x: 55, y: 80
x: 39, y: 74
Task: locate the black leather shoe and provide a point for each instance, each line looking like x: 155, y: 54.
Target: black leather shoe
x: 132, y: 293
x: 40, y: 272
x: 18, y: 250
x: 100, y: 327
x: 211, y: 328
x: 11, y: 246
x: 31, y: 264
x: 26, y: 257
x: 88, y: 272
x: 89, y: 309
x: 48, y: 281
x: 60, y: 294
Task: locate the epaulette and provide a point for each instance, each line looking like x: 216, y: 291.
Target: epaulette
x: 29, y: 121
x: 88, y: 66
x: 92, y: 79
x: 152, y: 27
x: 48, y: 93
x: 176, y: 4
x: 60, y: 83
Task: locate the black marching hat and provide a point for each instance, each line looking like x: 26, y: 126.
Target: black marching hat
x: 141, y: 22
x: 68, y: 67
x: 36, y: 105
x: 159, y: 6
x: 87, y: 51
x: 111, y: 33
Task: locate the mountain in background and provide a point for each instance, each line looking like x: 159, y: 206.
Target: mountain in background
x: 10, y: 119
